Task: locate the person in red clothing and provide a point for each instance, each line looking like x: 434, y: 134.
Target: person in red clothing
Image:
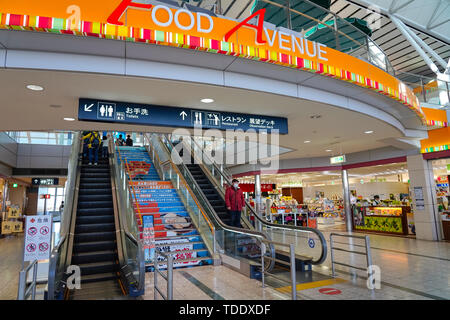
x: 234, y: 199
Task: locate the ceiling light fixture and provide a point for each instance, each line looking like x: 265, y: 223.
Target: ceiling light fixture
x: 34, y: 87
x: 369, y: 131
x: 69, y: 119
x: 306, y: 141
x: 328, y: 150
x: 207, y: 100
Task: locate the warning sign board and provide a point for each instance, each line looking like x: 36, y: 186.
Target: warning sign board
x: 37, y: 238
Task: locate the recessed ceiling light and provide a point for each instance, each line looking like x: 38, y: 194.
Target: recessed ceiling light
x: 55, y: 106
x: 328, y: 150
x: 369, y: 131
x: 307, y: 141
x: 207, y: 100
x: 34, y: 87
x: 69, y: 119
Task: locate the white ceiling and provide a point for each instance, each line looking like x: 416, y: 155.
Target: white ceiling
x: 340, y: 130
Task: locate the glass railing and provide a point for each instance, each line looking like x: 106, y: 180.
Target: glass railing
x: 132, y: 253
x: 308, y: 242
x: 235, y: 242
x: 58, y: 257
x: 169, y: 172
x: 430, y: 91
x: 316, y: 23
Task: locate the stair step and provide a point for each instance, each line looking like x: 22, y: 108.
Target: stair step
x: 182, y: 260
x: 174, y: 244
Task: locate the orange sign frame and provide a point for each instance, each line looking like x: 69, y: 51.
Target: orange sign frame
x: 179, y: 27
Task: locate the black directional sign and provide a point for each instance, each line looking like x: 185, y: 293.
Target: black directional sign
x: 153, y: 115
x: 44, y: 181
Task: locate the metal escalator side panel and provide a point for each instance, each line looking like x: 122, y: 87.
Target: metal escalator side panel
x: 64, y: 247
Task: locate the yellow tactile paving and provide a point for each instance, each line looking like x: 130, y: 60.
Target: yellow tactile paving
x: 311, y: 285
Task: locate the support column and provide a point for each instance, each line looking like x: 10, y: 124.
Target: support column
x: 347, y: 204
x: 258, y: 200
x: 426, y: 215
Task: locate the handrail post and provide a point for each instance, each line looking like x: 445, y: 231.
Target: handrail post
x: 263, y: 252
x: 293, y: 272
x: 22, y: 285
x: 332, y: 256
x: 170, y: 277
x: 369, y: 255
x: 35, y: 269
x: 155, y: 275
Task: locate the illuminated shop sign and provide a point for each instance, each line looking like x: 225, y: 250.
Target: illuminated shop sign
x: 161, y: 25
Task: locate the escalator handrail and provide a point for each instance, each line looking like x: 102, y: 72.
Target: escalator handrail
x: 323, y: 255
x: 66, y: 219
x: 124, y: 225
x: 262, y: 236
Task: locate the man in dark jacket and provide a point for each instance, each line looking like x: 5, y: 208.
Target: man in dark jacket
x: 234, y: 199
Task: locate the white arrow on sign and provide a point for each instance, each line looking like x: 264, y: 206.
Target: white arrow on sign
x: 183, y: 115
x: 88, y: 108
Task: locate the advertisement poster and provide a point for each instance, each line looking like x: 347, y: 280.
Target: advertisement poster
x: 178, y: 246
x: 148, y: 235
x: 38, y: 234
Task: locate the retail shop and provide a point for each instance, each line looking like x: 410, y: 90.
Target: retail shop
x: 380, y: 198
x: 441, y: 175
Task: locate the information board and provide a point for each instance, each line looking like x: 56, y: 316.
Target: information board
x: 154, y: 115
x: 38, y: 234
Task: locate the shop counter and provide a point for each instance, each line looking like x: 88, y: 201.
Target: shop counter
x: 390, y: 220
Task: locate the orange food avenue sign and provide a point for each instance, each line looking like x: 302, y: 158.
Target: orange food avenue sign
x: 159, y: 24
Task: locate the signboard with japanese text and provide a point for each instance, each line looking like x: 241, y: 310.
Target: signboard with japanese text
x: 338, y: 159
x: 153, y: 115
x: 38, y: 234
x: 45, y: 181
x: 7, y: 227
x: 14, y: 213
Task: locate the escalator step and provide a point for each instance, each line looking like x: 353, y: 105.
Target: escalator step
x: 95, y: 204
x: 94, y: 256
x: 94, y: 211
x: 95, y: 197
x: 99, y: 277
x: 90, y: 228
x: 95, y: 219
x: 94, y: 192
x: 84, y: 186
x: 98, y: 267
x: 94, y: 246
x: 95, y: 236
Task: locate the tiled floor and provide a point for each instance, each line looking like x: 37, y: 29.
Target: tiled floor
x: 410, y: 269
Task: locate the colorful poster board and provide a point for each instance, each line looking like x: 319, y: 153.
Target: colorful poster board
x: 148, y: 236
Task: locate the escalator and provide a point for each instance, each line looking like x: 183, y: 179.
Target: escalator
x: 98, y: 240
x: 210, y: 192
x: 212, y: 180
x: 95, y: 244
